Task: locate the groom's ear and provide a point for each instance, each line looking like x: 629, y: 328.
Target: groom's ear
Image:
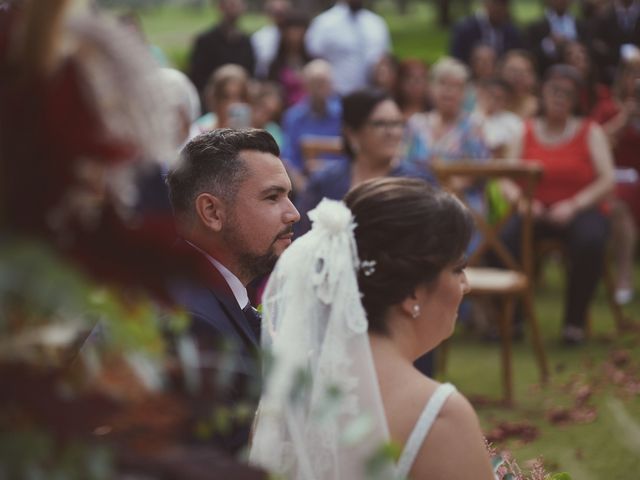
x: 211, y: 211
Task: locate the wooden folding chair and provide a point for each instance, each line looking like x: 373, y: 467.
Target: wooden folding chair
x: 316, y: 148
x: 513, y: 282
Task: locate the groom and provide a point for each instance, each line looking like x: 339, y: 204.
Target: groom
x: 230, y: 196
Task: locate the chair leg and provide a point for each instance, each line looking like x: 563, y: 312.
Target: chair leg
x: 536, y: 340
x: 506, y: 321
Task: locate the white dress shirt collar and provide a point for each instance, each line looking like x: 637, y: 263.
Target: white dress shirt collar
x: 236, y: 286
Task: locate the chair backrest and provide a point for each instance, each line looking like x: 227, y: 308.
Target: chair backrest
x: 315, y: 148
x: 526, y: 175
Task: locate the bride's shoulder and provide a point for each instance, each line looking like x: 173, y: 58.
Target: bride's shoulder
x: 455, y: 408
x: 406, y: 395
x: 454, y: 447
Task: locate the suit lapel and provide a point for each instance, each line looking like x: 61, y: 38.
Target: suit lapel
x: 230, y: 305
x: 220, y: 289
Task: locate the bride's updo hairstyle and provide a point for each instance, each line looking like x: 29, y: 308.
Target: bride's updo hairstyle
x: 410, y: 231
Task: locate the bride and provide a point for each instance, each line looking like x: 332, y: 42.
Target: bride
x: 374, y: 285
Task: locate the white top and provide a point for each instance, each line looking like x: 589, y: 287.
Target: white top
x: 351, y: 42
x: 265, y: 42
x: 236, y: 286
x: 499, y: 129
x: 422, y: 428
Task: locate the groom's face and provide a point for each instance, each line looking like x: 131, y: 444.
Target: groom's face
x: 261, y: 216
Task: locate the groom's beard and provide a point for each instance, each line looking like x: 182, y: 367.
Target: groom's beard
x: 255, y: 265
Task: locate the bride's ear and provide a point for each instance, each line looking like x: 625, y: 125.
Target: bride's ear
x: 409, y: 306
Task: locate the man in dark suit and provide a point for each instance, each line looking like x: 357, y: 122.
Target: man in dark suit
x: 230, y: 195
x: 547, y: 36
x: 222, y: 44
x: 490, y: 26
x: 619, y: 25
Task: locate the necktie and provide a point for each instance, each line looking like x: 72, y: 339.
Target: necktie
x: 254, y: 319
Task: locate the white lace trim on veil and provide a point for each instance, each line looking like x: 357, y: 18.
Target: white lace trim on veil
x: 321, y: 414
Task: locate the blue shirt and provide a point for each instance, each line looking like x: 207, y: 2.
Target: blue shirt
x: 334, y: 181
x: 299, y: 121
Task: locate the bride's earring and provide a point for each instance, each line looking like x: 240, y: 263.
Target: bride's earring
x: 415, y: 311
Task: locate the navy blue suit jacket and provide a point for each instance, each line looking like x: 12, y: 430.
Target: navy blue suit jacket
x: 219, y: 326
x: 468, y: 33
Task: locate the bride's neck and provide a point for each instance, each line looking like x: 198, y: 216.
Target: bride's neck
x: 396, y: 346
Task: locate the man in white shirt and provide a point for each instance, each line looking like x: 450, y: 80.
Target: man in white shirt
x: 352, y: 39
x: 230, y: 196
x: 266, y: 40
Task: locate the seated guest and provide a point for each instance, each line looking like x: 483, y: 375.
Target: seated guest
x: 620, y: 119
x: 317, y: 114
x: 412, y: 92
x: 483, y: 62
x: 182, y: 96
x: 385, y: 74
x: 266, y: 108
x: 291, y: 57
x: 592, y: 91
x: 446, y: 133
x: 517, y: 69
x: 500, y: 127
x: 482, y: 66
x: 372, y: 132
x: 568, y: 206
x: 226, y: 97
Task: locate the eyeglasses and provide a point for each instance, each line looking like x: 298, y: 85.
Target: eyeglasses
x: 381, y: 125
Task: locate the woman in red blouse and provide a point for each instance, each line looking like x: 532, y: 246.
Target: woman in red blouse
x: 569, y: 200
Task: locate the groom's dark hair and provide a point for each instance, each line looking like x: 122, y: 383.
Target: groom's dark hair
x: 211, y: 162
x: 412, y: 231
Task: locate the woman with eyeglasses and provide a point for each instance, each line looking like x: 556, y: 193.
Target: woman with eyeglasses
x: 569, y: 201
x: 372, y: 135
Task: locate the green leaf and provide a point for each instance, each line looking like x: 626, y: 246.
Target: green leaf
x: 560, y: 476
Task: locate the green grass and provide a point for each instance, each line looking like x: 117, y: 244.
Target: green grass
x: 414, y: 35
x: 607, y: 448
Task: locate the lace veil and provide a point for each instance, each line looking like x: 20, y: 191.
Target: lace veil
x: 321, y: 414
